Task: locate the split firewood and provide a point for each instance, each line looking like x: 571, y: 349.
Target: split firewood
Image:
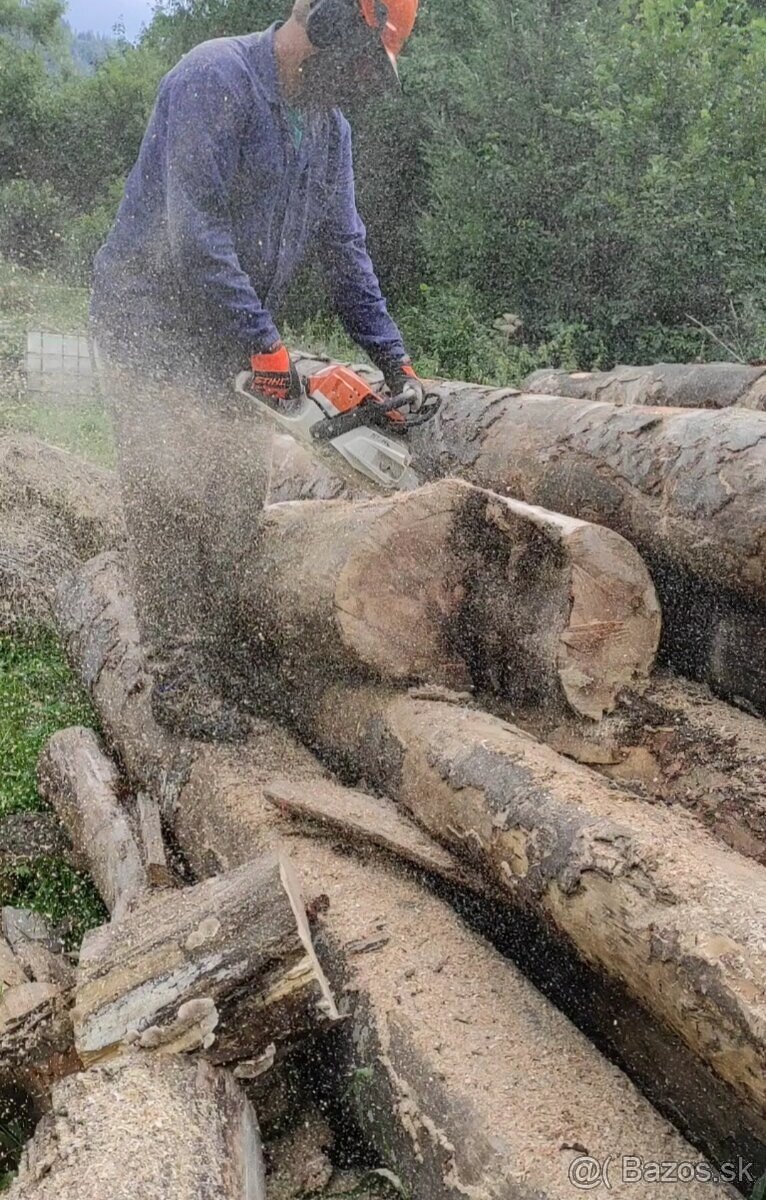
x: 447, y: 583
x: 149, y: 1127
x: 642, y: 892
x: 36, y: 949
x: 227, y: 967
x: 82, y: 785
x: 431, y: 1073
x: 675, y: 385
x: 153, y: 854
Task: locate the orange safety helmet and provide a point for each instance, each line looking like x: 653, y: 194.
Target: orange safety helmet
x: 395, y: 28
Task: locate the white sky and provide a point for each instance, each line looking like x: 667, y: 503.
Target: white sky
x: 102, y: 15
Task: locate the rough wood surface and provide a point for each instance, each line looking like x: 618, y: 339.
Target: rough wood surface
x: 55, y: 511
x: 642, y: 892
x: 148, y: 1127
x: 449, y: 583
x: 687, y: 486
x: 675, y: 385
x: 675, y: 744
x: 358, y: 819
x: 152, y: 843
x: 82, y: 785
x: 437, y: 1080
x: 227, y: 966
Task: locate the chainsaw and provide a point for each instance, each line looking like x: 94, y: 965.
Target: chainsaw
x: 359, y: 434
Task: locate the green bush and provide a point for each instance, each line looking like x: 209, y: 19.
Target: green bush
x: 33, y: 218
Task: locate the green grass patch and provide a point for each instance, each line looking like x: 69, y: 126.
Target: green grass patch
x: 39, y: 696
x: 83, y: 429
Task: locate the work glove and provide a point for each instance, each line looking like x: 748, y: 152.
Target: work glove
x: 275, y: 376
x: 401, y: 377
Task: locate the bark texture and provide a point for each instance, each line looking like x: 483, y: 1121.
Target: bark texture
x: 450, y: 584
x: 435, y: 1017
x: 675, y: 385
x: 686, y: 486
x: 149, y: 1127
x: 643, y: 893
x: 228, y: 966
x: 56, y: 512
x: 675, y: 745
x: 82, y: 785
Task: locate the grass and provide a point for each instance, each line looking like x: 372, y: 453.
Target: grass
x: 39, y: 696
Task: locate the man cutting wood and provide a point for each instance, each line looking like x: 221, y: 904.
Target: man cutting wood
x: 245, y: 166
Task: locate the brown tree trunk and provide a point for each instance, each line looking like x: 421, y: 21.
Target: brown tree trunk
x: 672, y: 385
x: 145, y: 1126
x: 449, y: 584
x: 82, y: 785
x: 675, y: 744
x: 429, y: 1052
x: 643, y: 893
x: 56, y: 511
x: 228, y: 966
x: 689, y: 487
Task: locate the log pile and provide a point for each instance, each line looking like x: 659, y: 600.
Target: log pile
x: 686, y: 487
x: 461, y: 735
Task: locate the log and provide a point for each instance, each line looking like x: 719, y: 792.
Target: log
x: 451, y: 584
x: 676, y: 744
x: 158, y: 1128
x: 228, y: 966
x: 642, y: 893
x: 56, y: 512
x: 155, y: 860
x: 689, y: 487
x: 77, y: 779
x: 675, y: 385
x: 355, y: 818
x: 418, y: 1067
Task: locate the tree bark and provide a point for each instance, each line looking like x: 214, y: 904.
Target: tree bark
x: 689, y: 487
x: 452, y: 584
x: 82, y: 785
x: 430, y: 1093
x: 56, y: 512
x: 149, y: 1127
x: 228, y: 966
x: 676, y: 744
x: 673, y: 385
x: 643, y: 893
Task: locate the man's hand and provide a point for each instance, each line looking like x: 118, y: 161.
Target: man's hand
x: 275, y: 376
x: 400, y: 377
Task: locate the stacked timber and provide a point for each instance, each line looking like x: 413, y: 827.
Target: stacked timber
x: 434, y: 1016
x: 672, y: 385
x: 687, y: 488
x: 375, y: 625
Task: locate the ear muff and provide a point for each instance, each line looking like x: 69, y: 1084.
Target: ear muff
x: 341, y: 23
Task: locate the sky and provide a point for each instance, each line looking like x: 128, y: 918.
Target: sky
x: 102, y: 15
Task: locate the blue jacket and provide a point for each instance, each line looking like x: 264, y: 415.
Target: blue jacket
x: 221, y: 207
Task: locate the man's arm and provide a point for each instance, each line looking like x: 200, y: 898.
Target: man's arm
x: 351, y: 276
x: 206, y: 119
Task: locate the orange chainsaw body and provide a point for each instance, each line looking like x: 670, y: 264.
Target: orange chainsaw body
x: 342, y: 390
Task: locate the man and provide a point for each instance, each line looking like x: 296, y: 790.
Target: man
x: 246, y: 164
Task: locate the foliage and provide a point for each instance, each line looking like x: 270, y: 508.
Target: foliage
x: 38, y: 696
x: 596, y: 167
